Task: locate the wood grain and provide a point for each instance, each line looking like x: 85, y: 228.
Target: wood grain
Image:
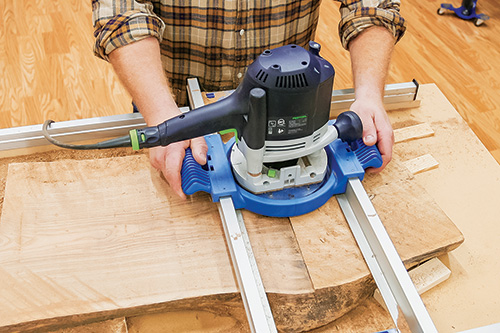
x: 89, y: 240
x: 100, y: 242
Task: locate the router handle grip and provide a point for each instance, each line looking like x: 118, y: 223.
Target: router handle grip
x: 349, y: 126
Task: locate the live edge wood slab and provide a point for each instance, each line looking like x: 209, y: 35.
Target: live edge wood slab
x: 85, y: 240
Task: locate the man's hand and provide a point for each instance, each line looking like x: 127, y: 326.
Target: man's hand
x: 370, y: 56
x: 169, y: 159
x: 139, y: 67
x: 377, y: 128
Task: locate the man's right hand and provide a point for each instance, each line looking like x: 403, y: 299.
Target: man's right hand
x: 139, y: 67
x: 169, y: 159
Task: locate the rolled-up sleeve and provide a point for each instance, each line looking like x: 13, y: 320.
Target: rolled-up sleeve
x: 121, y: 22
x: 358, y: 15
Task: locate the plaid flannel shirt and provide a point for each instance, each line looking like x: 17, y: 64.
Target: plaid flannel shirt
x: 216, y: 40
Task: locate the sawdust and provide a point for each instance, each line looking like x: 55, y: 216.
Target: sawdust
x: 405, y: 123
x: 57, y: 155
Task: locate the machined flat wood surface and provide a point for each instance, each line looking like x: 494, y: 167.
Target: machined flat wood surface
x: 48, y: 67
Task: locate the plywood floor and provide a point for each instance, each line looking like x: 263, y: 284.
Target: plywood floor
x: 48, y: 69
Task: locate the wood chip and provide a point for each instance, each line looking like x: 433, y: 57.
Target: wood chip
x: 413, y: 132
x: 425, y: 277
x: 421, y: 164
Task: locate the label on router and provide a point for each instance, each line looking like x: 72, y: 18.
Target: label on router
x: 286, y: 125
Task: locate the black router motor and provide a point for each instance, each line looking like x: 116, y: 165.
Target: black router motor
x: 280, y: 112
x: 285, y: 95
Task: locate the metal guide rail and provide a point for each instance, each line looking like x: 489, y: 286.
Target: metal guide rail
x: 253, y: 294
x: 386, y: 267
x: 119, y: 125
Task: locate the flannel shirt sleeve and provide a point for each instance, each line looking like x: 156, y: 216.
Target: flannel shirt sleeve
x: 358, y: 15
x: 121, y: 22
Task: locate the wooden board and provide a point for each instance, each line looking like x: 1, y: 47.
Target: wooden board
x: 100, y: 237
x: 88, y: 240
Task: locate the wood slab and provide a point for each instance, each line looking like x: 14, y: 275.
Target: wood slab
x: 89, y: 240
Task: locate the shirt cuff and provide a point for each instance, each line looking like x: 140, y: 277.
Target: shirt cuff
x: 124, y: 29
x: 362, y: 18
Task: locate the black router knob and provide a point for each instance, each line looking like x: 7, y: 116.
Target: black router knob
x: 314, y: 48
x: 349, y: 126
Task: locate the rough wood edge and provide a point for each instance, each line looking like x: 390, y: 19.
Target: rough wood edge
x: 118, y: 325
x: 285, y: 308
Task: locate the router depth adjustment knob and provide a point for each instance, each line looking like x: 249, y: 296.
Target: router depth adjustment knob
x: 349, y: 126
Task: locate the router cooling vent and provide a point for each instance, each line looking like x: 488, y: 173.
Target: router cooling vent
x: 261, y: 76
x: 291, y: 81
x: 281, y: 148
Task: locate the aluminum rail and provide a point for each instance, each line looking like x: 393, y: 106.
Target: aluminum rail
x: 72, y: 130
x: 341, y: 100
x: 260, y: 317
x: 253, y: 294
x: 119, y: 125
x: 383, y: 260
x: 393, y: 93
